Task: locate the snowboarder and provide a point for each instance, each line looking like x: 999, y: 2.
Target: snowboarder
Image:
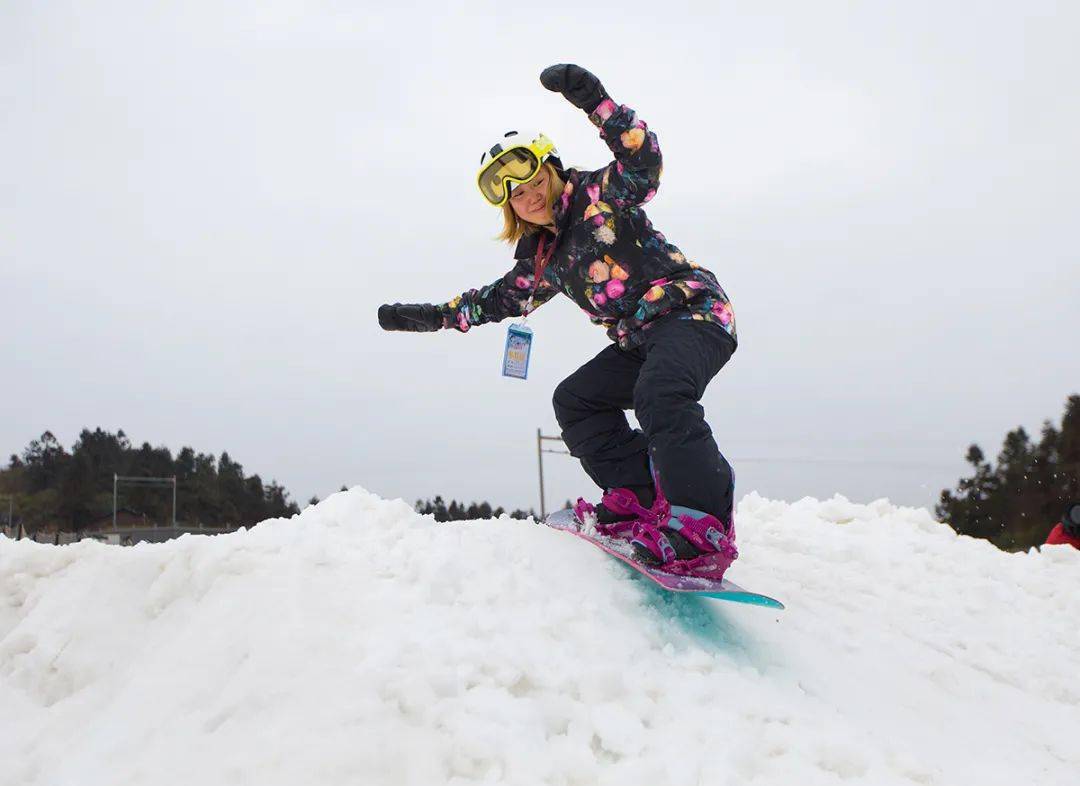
x: 667, y: 487
x: 1067, y: 531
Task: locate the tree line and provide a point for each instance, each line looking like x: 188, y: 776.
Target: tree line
x: 1012, y: 503
x: 458, y: 511
x: 1016, y: 501
x: 56, y: 490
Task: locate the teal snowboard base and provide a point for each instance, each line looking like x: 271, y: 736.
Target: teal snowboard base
x: 693, y: 585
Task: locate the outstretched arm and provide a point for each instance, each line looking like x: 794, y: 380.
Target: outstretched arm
x: 509, y: 296
x: 633, y: 177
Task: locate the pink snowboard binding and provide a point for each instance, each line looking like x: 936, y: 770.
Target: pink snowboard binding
x: 621, y: 502
x: 660, y: 533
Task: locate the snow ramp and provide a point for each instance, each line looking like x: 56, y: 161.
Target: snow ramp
x: 360, y: 643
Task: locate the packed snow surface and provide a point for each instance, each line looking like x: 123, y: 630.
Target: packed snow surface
x: 360, y: 643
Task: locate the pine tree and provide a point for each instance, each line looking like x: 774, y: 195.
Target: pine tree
x: 439, y: 510
x: 1014, y: 504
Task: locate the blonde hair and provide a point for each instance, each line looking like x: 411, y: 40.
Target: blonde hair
x: 515, y: 228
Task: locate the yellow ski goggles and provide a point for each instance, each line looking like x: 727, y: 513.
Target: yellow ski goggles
x: 517, y: 163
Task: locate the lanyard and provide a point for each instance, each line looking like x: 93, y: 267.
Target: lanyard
x: 519, y: 336
x: 539, y: 263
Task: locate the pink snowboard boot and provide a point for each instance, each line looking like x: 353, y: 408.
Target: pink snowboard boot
x: 685, y: 541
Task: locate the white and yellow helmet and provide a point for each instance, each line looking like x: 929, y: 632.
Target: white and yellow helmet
x: 516, y: 158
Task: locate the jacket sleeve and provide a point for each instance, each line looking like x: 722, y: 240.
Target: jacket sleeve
x: 507, y: 297
x: 633, y: 177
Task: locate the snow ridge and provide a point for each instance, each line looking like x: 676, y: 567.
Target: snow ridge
x: 361, y: 643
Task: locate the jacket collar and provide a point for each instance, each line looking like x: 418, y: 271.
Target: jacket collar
x: 526, y: 247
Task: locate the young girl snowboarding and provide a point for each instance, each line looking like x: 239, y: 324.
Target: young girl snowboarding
x: 666, y: 487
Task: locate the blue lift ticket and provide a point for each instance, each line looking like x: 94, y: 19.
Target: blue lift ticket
x: 516, y: 358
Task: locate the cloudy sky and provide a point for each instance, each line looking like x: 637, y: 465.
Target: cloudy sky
x: 202, y: 206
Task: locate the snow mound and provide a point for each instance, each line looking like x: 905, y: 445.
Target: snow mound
x: 360, y: 643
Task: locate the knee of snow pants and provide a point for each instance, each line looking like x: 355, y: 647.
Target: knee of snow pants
x: 589, y: 406
x: 682, y: 357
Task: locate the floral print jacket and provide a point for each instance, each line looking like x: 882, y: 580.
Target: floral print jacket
x: 607, y: 256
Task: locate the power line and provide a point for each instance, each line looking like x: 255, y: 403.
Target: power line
x: 838, y: 462
x: 894, y: 464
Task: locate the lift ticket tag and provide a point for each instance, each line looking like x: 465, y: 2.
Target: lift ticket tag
x: 516, y: 358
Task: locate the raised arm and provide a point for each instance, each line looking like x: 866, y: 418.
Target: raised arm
x: 633, y: 177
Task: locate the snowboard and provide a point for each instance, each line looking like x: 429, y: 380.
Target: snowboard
x: 693, y: 585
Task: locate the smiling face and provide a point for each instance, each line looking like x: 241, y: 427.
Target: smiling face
x: 530, y: 200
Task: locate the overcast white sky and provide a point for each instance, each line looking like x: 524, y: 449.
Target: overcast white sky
x: 202, y: 206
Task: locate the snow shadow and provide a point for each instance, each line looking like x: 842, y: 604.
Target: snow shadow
x: 707, y: 624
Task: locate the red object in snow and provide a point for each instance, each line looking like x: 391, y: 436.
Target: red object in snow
x: 1058, y: 535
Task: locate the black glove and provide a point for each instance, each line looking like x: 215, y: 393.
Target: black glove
x: 577, y: 85
x: 413, y: 317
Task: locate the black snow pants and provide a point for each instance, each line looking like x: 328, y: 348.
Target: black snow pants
x: 662, y: 381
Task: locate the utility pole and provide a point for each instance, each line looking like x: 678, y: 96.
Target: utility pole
x: 540, y: 451
x: 540, y: 464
